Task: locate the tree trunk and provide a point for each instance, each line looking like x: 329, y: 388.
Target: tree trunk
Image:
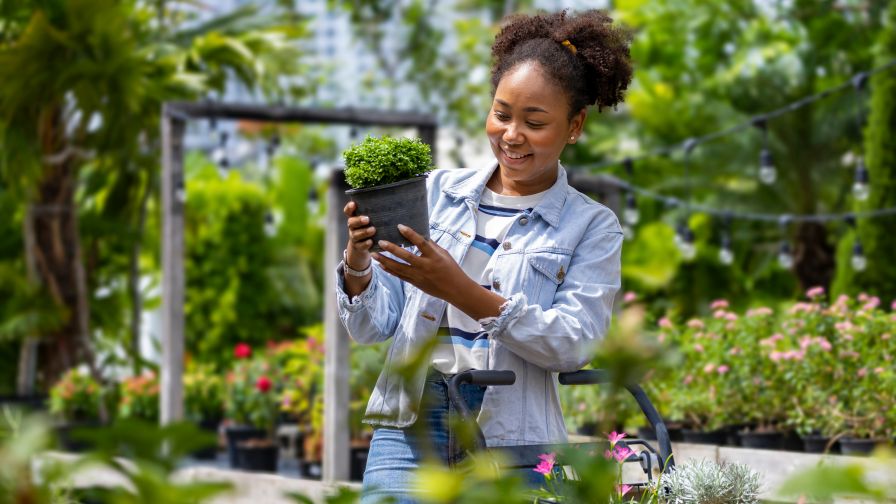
x: 56, y: 252
x: 813, y: 256
x: 134, y: 280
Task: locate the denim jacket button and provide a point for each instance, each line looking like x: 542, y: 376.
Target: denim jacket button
x: 523, y: 221
x: 507, y: 245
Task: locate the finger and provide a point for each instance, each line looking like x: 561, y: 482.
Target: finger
x: 397, y: 251
x: 358, y: 222
x: 349, y: 208
x: 363, y: 246
x: 414, y: 237
x: 391, y: 265
x: 362, y: 234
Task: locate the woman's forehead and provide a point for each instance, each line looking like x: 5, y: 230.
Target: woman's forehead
x: 526, y: 87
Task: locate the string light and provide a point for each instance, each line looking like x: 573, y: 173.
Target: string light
x: 785, y: 257
x: 858, y: 260
x: 767, y: 171
x: 630, y: 215
x: 219, y: 155
x: 270, y: 224
x: 684, y: 239
x: 726, y: 257
x: 860, y: 189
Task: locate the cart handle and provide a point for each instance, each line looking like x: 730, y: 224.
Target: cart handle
x: 476, y: 377
x: 597, y: 376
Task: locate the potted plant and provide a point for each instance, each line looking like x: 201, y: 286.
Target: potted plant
x: 251, y: 405
x: 139, y: 398
x: 706, y: 481
x: 388, y: 180
x: 204, y: 403
x: 75, y: 403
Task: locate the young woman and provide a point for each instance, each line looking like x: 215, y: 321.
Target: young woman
x: 520, y: 269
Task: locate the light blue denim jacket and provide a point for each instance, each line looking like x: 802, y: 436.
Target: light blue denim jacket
x: 559, y: 268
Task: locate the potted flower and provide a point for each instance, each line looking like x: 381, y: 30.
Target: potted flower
x: 250, y: 405
x: 139, y: 398
x: 204, y: 403
x: 301, y: 362
x: 388, y: 180
x: 75, y: 403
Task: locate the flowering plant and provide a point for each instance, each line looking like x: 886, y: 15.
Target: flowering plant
x: 76, y: 397
x: 252, y: 394
x: 139, y: 397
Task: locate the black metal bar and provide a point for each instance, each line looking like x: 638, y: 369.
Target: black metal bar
x: 280, y: 113
x: 476, y: 378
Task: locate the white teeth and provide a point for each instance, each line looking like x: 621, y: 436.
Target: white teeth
x: 514, y: 156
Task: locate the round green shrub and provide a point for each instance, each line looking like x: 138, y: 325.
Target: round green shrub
x: 384, y: 160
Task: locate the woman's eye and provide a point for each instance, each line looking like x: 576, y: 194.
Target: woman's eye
x: 501, y: 116
x: 534, y: 125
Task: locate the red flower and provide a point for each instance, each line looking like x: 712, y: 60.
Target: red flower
x: 263, y: 384
x: 242, y: 351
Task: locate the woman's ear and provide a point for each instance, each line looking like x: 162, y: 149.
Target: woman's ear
x: 576, y: 125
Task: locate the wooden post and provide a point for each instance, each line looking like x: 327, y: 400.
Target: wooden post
x: 337, y: 355
x: 173, y: 280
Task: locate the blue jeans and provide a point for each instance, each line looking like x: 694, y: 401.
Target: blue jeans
x: 395, y: 454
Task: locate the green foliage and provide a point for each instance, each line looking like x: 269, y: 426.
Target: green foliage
x: 384, y: 160
x: 253, y: 389
x: 76, y: 397
x: 826, y: 482
x: 203, y: 393
x: 876, y: 235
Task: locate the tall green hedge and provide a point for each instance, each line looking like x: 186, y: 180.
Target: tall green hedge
x: 877, y: 235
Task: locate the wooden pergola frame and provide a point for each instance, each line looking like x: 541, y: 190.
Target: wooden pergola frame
x: 336, y: 374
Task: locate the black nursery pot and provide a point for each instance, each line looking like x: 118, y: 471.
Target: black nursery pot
x: 716, y: 437
x: 646, y: 433
x: 358, y: 462
x: 311, y: 469
x: 858, y: 446
x: 258, y: 458
x: 71, y: 435
x: 389, y: 205
x: 237, y: 434
x: 211, y: 451
x: 816, y: 443
x: 761, y: 440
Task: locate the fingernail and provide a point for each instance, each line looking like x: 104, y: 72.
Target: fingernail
x: 365, y: 219
x: 382, y: 243
x: 402, y: 227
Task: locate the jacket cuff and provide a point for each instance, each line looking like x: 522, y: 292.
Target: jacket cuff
x: 355, y: 303
x: 509, y: 311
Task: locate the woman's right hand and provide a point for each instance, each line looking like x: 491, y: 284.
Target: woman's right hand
x: 360, y: 238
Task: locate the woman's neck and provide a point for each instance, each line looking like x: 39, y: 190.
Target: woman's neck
x: 501, y: 183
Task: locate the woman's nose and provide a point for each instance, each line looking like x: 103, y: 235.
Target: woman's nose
x: 512, y: 135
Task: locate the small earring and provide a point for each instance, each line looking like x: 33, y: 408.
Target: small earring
x: 572, y: 138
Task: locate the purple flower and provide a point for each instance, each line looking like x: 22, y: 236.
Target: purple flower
x: 546, y: 466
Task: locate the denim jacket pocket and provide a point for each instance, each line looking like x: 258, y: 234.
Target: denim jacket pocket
x: 548, y: 273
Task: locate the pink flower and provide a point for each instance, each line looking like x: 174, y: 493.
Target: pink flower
x: 709, y: 368
x: 730, y: 326
x: 665, y: 323
x: 718, y: 304
x: 242, y: 351
x: 863, y: 297
x: 615, y: 437
x: 688, y: 379
x: 775, y: 356
x: 893, y: 305
x: 722, y: 369
x: 629, y: 297
x: 698, y: 348
x: 695, y: 324
x: 582, y: 406
x: 824, y: 344
x: 546, y: 466
x: 815, y: 292
x: 805, y: 341
x: 861, y: 372
x: 878, y: 370
x: 885, y: 336
x: 620, y: 453
x: 734, y: 351
x: 623, y: 489
x: 719, y: 314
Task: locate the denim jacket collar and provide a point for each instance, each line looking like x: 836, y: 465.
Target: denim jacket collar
x: 549, y: 209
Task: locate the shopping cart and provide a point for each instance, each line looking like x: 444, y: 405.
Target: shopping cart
x: 526, y: 456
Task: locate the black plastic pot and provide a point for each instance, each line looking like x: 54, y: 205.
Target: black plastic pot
x: 211, y: 451
x: 675, y: 430
x: 71, y: 435
x: 389, y: 205
x: 816, y: 443
x: 237, y: 434
x: 761, y: 440
x: 858, y: 446
x: 715, y: 437
x: 358, y: 462
x: 310, y: 469
x: 257, y: 458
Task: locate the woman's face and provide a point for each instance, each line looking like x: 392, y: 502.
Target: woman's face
x: 528, y: 126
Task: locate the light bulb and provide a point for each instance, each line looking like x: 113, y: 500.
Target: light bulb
x: 685, y: 242
x: 630, y: 215
x: 785, y: 259
x: 224, y: 167
x: 858, y: 260
x: 767, y: 172
x: 726, y: 257
x: 180, y: 193
x: 688, y: 250
x: 860, y: 189
x: 628, y: 232
x: 270, y: 225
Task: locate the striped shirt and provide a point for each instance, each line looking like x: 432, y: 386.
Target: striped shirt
x: 462, y: 345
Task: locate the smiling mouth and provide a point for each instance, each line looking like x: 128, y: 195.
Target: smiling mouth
x: 512, y: 155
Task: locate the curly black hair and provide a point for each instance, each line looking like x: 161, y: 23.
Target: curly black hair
x: 594, y: 67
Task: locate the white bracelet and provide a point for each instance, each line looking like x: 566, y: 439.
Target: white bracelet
x: 353, y: 272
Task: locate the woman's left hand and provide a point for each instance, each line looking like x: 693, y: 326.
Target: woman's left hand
x: 434, y: 271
